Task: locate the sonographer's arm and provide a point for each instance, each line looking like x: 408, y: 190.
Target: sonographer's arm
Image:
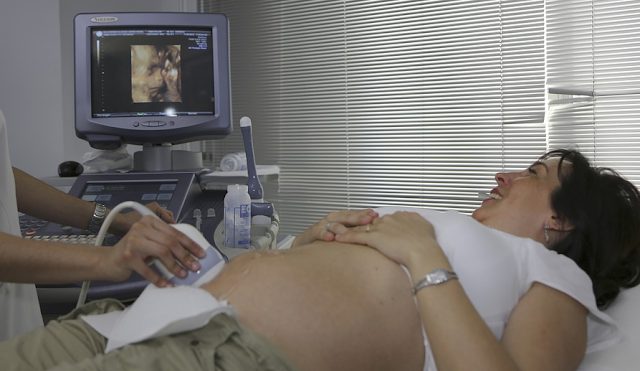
x: 39, y: 199
x: 23, y: 260
x: 32, y: 261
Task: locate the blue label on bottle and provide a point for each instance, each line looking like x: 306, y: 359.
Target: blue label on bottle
x: 245, y: 211
x: 237, y: 226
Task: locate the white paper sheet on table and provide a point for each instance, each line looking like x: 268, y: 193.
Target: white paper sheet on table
x: 158, y: 312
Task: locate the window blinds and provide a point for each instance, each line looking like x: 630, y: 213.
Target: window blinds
x: 371, y: 103
x: 594, y: 75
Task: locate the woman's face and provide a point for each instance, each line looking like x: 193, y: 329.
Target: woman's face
x: 520, y: 204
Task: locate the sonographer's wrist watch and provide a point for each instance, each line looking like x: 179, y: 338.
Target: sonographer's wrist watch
x: 97, y: 219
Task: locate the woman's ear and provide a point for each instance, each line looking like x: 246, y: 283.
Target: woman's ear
x: 556, y: 224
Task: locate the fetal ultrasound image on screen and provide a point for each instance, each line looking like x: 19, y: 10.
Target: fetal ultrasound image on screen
x: 156, y: 73
x: 145, y: 72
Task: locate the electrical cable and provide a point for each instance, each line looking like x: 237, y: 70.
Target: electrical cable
x: 103, y: 231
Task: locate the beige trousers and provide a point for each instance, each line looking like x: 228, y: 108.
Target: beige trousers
x: 70, y: 344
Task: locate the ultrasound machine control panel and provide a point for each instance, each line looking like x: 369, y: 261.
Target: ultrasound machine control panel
x: 178, y: 192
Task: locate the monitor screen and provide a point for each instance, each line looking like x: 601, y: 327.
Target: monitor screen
x: 169, y: 70
x: 151, y: 78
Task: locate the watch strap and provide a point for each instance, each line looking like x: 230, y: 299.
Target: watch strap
x: 97, y: 219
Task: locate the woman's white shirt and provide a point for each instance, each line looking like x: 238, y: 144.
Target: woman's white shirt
x: 496, y: 269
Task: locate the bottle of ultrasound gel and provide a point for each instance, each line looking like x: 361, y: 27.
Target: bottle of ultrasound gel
x: 237, y: 217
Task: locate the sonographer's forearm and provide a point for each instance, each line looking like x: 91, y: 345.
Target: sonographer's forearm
x: 30, y: 261
x: 39, y: 199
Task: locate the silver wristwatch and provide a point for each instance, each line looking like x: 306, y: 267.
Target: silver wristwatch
x: 97, y: 219
x: 434, y: 277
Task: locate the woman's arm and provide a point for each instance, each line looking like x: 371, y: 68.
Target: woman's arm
x: 547, y: 330
x: 556, y: 331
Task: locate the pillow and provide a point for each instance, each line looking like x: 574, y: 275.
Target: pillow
x: 625, y: 355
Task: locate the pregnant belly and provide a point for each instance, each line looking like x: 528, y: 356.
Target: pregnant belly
x: 328, y: 306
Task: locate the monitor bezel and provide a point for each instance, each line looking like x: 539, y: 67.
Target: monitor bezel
x: 112, y: 132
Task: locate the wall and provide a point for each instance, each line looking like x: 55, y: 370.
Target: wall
x: 30, y: 80
x: 36, y: 76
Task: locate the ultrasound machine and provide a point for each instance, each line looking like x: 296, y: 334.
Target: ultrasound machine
x: 155, y: 80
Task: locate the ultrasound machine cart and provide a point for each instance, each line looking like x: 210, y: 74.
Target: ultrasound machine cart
x: 176, y: 90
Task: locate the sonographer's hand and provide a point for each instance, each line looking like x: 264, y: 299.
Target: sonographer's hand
x: 164, y: 214
x: 151, y: 238
x: 334, y: 223
x: 123, y: 221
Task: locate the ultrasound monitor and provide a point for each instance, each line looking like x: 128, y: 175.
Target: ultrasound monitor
x: 151, y: 79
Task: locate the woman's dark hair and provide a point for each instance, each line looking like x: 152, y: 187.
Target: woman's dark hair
x: 603, y: 211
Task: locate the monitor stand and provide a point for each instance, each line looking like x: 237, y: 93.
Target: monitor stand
x: 161, y: 157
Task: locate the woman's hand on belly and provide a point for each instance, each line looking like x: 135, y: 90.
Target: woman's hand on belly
x: 404, y: 237
x: 334, y: 223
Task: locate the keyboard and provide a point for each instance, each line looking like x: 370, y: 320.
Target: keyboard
x: 38, y: 229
